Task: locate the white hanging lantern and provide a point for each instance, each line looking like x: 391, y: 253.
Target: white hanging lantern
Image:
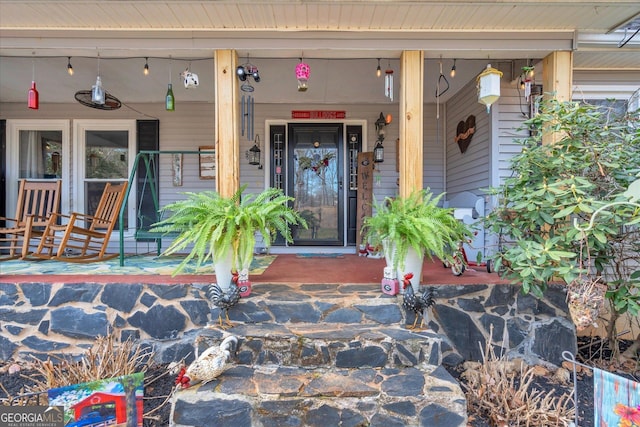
x: 97, y: 92
x: 488, y: 83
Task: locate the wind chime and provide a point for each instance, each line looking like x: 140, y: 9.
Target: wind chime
x: 388, y: 82
x: 247, y: 116
x: 527, y: 80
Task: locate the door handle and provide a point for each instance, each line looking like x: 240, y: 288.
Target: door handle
x: 340, y: 184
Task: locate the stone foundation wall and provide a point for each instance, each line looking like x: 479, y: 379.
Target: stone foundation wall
x: 45, y: 319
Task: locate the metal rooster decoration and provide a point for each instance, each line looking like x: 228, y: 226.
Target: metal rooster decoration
x: 209, y: 365
x: 417, y: 303
x: 224, y: 300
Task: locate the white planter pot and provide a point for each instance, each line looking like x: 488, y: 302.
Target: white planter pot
x: 412, y: 264
x: 222, y: 268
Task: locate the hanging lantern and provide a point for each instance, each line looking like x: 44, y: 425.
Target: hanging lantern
x: 97, y: 92
x: 254, y: 152
x: 378, y: 153
x: 34, y: 101
x: 488, y: 83
x: 302, y: 75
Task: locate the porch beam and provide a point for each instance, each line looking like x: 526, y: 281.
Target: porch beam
x: 557, y: 82
x: 411, y: 121
x: 226, y: 119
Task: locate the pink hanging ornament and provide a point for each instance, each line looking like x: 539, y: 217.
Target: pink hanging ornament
x: 302, y: 74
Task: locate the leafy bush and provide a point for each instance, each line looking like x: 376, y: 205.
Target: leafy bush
x: 592, y: 164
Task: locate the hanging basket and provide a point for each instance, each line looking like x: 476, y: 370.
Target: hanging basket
x: 585, y: 298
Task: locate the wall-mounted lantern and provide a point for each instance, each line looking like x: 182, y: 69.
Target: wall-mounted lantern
x: 381, y: 124
x: 378, y: 153
x: 253, y: 155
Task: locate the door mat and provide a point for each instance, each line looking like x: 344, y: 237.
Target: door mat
x: 134, y: 264
x: 319, y: 255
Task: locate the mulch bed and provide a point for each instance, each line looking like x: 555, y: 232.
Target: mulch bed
x: 159, y: 385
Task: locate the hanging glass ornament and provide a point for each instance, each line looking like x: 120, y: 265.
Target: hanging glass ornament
x: 303, y: 71
x: 34, y: 101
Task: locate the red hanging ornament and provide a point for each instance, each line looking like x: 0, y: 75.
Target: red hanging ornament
x: 34, y: 102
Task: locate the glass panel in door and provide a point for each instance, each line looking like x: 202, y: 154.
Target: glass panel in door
x: 106, y: 160
x: 316, y: 183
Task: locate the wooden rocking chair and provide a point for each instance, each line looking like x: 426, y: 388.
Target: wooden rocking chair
x: 37, y: 200
x: 74, y: 242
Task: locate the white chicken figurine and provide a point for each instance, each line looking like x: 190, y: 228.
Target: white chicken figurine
x: 209, y: 365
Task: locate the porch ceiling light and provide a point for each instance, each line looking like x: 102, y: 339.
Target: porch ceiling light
x: 69, y: 66
x: 488, y: 83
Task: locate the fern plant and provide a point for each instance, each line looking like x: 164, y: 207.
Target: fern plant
x: 213, y: 224
x: 415, y: 221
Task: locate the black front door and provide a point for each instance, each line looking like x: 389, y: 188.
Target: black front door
x: 315, y: 180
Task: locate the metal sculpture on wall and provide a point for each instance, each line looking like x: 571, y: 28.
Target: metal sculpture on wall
x: 464, y: 132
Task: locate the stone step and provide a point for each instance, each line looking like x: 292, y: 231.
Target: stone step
x: 317, y: 345
x: 271, y: 395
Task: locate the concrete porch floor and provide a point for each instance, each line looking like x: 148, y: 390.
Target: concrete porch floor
x: 288, y: 269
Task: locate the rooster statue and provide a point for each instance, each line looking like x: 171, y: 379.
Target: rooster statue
x: 416, y: 303
x: 209, y: 365
x: 224, y: 300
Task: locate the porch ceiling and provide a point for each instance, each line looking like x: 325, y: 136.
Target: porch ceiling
x: 486, y: 30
